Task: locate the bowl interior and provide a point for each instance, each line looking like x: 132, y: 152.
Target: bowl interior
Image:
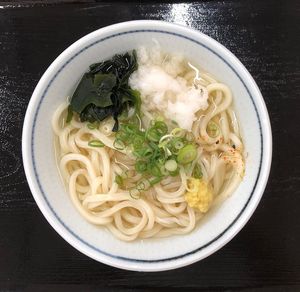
x: 59, y: 82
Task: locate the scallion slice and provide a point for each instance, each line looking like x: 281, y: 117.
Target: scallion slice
x: 119, y: 144
x: 140, y: 166
x: 187, y: 154
x: 197, y: 171
x: 178, y: 145
x: 96, y: 143
x: 119, y: 180
x: 213, y: 129
x: 171, y: 165
x: 93, y: 126
x: 178, y: 132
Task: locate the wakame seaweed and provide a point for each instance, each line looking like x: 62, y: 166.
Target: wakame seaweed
x: 104, y: 90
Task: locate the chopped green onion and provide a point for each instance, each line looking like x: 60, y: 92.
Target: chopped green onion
x: 213, y: 129
x: 163, y: 144
x: 157, y: 130
x: 161, y: 160
x: 197, y: 171
x: 157, y: 152
x: 163, y: 170
x: 174, y: 173
x: 178, y: 132
x: 141, y: 166
x: 138, y: 142
x: 175, y: 145
x: 171, y: 165
x: 190, y: 136
x: 69, y: 115
x: 155, y: 180
x: 119, y: 180
x: 161, y: 127
x: 122, y: 135
x: 154, y: 169
x: 146, y: 183
x: 167, y: 152
x: 131, y: 129
x: 160, y: 119
x: 141, y: 186
x: 119, y: 144
x: 139, y: 153
x: 134, y: 193
x: 187, y: 154
x: 153, y: 135
x: 178, y: 145
x: 92, y: 126
x: 147, y: 152
x: 165, y: 137
x: 96, y: 143
x: 174, y: 151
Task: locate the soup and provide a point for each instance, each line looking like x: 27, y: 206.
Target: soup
x: 148, y: 144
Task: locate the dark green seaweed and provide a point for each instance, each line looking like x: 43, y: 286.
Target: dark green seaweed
x: 104, y: 91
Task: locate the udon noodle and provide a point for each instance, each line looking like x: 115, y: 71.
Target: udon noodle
x: 162, y: 210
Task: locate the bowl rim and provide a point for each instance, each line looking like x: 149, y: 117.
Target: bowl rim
x: 266, y: 158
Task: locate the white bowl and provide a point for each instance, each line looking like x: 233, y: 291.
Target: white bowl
x: 221, y: 224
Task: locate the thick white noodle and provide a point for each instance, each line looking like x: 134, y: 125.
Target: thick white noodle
x: 89, y: 172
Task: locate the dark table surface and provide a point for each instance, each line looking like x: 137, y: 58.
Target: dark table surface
x: 264, y: 35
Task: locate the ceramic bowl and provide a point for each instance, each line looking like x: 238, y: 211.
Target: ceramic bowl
x: 221, y: 224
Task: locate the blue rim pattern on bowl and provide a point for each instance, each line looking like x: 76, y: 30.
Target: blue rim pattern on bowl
x: 44, y: 194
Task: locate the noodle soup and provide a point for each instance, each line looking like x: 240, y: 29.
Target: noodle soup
x: 147, y: 144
